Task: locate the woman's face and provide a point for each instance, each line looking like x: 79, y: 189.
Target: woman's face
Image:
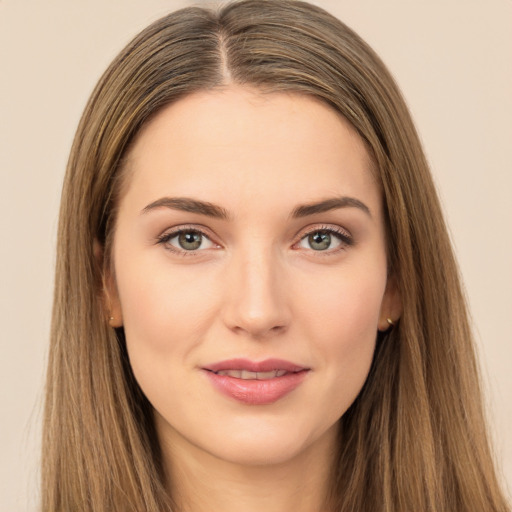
x: 250, y: 272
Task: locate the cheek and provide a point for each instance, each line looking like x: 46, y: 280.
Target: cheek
x: 165, y: 313
x: 345, y: 308
x: 343, y: 319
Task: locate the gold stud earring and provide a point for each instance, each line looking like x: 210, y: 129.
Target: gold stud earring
x: 390, y: 322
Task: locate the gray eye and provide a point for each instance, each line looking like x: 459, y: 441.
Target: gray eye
x: 190, y: 240
x: 323, y: 240
x: 319, y: 240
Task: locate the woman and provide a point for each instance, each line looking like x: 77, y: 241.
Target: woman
x: 256, y: 299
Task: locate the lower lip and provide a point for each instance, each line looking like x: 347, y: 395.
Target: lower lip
x: 257, y: 392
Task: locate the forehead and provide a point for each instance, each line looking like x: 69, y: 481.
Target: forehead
x: 237, y: 141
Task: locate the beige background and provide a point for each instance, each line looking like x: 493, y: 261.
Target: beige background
x: 453, y: 60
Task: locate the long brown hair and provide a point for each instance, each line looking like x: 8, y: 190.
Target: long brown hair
x: 415, y: 438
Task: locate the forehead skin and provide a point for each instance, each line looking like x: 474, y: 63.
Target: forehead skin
x: 193, y: 137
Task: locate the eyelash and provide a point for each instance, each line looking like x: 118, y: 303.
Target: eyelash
x: 169, y: 235
x: 343, y: 236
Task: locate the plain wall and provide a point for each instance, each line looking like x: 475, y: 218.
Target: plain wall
x: 453, y: 61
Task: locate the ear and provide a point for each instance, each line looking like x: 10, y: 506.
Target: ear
x: 110, y: 295
x: 391, y: 306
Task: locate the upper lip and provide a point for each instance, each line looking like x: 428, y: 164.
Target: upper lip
x: 268, y: 365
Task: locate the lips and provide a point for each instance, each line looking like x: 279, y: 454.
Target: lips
x: 256, y: 383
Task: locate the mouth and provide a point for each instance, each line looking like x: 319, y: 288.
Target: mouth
x: 248, y: 375
x: 256, y: 383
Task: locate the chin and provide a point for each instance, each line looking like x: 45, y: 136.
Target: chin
x: 266, y: 443
x: 264, y: 451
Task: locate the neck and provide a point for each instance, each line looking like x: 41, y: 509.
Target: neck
x: 201, y: 482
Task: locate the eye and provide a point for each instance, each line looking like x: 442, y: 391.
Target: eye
x: 188, y: 240
x: 325, y: 239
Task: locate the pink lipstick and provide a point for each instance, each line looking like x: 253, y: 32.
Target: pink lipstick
x: 256, y: 383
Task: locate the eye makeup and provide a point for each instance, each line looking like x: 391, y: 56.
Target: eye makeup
x: 189, y: 240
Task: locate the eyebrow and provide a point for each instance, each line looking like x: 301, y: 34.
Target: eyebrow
x: 328, y: 205
x: 186, y: 204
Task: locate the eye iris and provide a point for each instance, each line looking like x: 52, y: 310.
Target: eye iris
x: 319, y: 241
x: 190, y: 240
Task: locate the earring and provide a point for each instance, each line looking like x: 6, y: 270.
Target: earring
x: 390, y: 322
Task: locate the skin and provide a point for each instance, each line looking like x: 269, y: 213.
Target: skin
x: 256, y: 288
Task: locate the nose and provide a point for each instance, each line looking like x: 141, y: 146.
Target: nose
x: 257, y: 301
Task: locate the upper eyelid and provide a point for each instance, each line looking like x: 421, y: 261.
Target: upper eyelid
x: 311, y: 227
x: 333, y: 228
x: 199, y: 228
